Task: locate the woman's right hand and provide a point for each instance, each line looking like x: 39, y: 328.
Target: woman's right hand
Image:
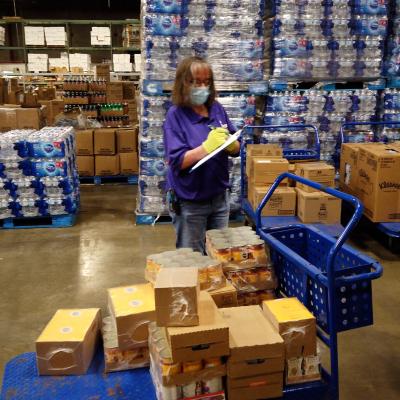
x: 215, y: 139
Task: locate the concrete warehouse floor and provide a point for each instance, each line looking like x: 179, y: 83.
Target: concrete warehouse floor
x: 46, y: 269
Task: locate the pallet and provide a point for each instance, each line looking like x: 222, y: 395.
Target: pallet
x: 153, y: 219
x: 102, y: 180
x: 51, y: 221
x: 282, y: 85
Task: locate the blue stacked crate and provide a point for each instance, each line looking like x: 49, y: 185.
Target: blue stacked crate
x: 38, y: 174
x: 230, y: 36
x: 328, y: 40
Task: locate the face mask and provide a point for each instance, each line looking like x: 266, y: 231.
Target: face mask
x: 199, y: 95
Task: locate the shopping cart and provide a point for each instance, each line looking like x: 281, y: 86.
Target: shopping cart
x: 331, y: 279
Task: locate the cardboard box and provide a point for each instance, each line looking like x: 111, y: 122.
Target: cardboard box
x: 115, y: 92
x: 258, y: 387
x: 47, y: 93
x: 104, y: 141
x: 132, y: 111
x: 133, y: 308
x: 209, y: 339
x: 68, y: 342
x: 318, y: 207
x: 348, y: 167
x: 319, y: 172
x: 129, y: 163
x: 127, y: 140
x: 107, y: 165
x: 85, y: 165
x: 295, y: 324
x: 264, y: 150
x: 264, y: 171
x: 53, y: 109
x: 84, y: 142
x: 8, y: 119
x: 129, y: 90
x: 281, y: 203
x: 379, y: 182
x: 256, y: 350
x: 30, y: 118
x: 225, y: 297
x: 176, y: 297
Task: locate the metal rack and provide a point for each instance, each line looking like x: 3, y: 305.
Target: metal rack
x: 22, y: 47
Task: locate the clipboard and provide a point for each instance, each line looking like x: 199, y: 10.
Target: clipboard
x: 232, y: 138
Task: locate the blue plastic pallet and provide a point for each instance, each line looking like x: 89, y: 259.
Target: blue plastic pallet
x: 101, y: 180
x: 51, y: 221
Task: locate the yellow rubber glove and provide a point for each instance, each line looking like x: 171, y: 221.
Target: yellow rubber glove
x: 215, y: 139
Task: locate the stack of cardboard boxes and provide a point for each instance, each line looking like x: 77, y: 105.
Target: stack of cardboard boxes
x: 100, y: 36
x: 371, y: 172
x: 107, y: 152
x: 264, y: 163
x: 314, y: 206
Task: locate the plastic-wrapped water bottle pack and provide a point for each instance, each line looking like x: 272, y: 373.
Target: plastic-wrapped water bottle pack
x: 389, y: 112
x: 327, y: 110
x: 392, y: 62
x: 314, y: 39
x: 38, y: 174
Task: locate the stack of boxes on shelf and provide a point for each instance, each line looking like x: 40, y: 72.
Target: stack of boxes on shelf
x: 107, y: 152
x: 59, y: 64
x: 55, y: 35
x: 370, y: 171
x: 230, y: 38
x: 38, y: 62
x: 38, y: 172
x: 2, y: 36
x: 131, y: 35
x: 80, y: 62
x: 34, y: 36
x: 328, y: 40
x: 100, y: 36
x: 327, y: 110
x: 122, y: 63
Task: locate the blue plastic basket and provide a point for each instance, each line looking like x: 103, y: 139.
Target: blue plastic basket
x: 309, y: 263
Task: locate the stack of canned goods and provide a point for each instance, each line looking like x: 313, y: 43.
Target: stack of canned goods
x: 245, y: 262
x: 211, y: 275
x: 116, y: 359
x: 165, y: 371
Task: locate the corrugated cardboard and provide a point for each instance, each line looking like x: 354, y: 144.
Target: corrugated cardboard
x: 319, y: 172
x: 318, y: 207
x: 115, y: 92
x: 225, y: 297
x: 2, y: 86
x: 132, y: 110
x: 8, y: 119
x: 258, y: 387
x: 209, y: 339
x: 264, y: 150
x: 85, y: 165
x: 126, y: 140
x: 348, y: 167
x: 30, y: 118
x: 295, y: 324
x: 68, y: 342
x: 107, y: 165
x: 129, y: 163
x: 133, y: 308
x: 258, y: 349
x: 176, y: 297
x: 103, y: 72
x: 129, y: 90
x: 104, y: 141
x: 84, y: 142
x: 264, y: 171
x: 379, y: 182
x: 281, y: 203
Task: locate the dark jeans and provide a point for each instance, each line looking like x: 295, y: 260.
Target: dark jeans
x: 197, y: 217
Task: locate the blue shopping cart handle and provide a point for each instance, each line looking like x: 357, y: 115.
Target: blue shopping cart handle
x: 375, y: 274
x: 375, y: 123
x: 359, y: 208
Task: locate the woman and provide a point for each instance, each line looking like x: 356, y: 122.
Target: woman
x: 194, y: 127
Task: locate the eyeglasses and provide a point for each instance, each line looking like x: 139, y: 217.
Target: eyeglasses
x: 203, y: 82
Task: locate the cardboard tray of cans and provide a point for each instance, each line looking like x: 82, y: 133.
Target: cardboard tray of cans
x: 211, y: 275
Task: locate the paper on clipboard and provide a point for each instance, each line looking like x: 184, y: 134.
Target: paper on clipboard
x: 232, y: 138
